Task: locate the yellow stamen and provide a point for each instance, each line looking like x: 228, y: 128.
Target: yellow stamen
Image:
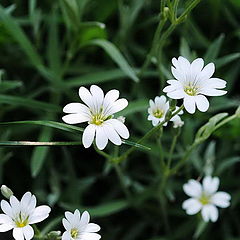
x: 158, y: 113
x: 191, y: 90
x: 204, y: 199
x: 74, y: 233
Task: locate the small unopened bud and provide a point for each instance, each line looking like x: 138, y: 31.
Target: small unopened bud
x: 54, y: 235
x: 165, y: 12
x: 6, y: 192
x: 121, y: 119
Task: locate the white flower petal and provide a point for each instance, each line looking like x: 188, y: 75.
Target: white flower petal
x: 92, y: 227
x: 86, y: 96
x: 5, y: 227
x: 216, y: 83
x: 75, y: 118
x: 66, y: 236
x: 212, y: 92
x: 76, y: 218
x: 76, y: 108
x: 221, y: 199
x: 120, y: 128
x: 28, y: 232
x: 207, y: 72
x: 39, y: 214
x: 189, y: 104
x: 85, y: 218
x: 6, y: 208
x: 91, y: 236
x: 97, y: 93
x: 88, y: 135
x: 202, y: 103
x: 69, y: 216
x: 209, y: 212
x: 193, y: 188
x: 196, y: 67
x: 111, y: 134
x: 177, y: 94
x: 192, y: 206
x: 117, y: 106
x: 101, y: 138
x: 66, y: 224
x: 15, y: 204
x: 210, y: 185
x: 5, y: 219
x: 18, y: 234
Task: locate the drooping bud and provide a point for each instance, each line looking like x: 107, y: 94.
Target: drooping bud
x: 6, y: 192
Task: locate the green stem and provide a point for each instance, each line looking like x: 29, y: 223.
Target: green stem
x: 105, y: 155
x: 174, y: 141
x: 148, y: 135
x: 184, y: 159
x: 121, y: 178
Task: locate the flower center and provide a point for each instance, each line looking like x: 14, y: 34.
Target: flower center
x: 21, y: 221
x: 74, y: 233
x: 158, y: 113
x: 204, y: 199
x: 191, y: 90
x: 97, y: 119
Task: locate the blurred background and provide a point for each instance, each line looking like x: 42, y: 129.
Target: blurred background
x: 48, y: 49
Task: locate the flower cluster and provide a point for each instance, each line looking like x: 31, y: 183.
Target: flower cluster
x: 19, y: 215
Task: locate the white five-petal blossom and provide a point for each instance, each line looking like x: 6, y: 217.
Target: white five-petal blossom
x: 78, y: 227
x: 98, y: 111
x: 158, y: 110
x: 193, y: 82
x: 205, y: 198
x: 18, y: 215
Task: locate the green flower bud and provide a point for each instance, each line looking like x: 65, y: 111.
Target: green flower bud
x: 6, y: 192
x: 54, y: 235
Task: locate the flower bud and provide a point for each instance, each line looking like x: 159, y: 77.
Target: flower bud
x: 6, y: 192
x: 53, y: 235
x: 121, y: 119
x: 173, y: 103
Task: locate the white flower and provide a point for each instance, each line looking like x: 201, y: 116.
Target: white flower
x: 205, y: 198
x: 158, y: 109
x: 20, y: 214
x: 193, y: 81
x: 98, y: 112
x: 177, y: 121
x: 78, y: 227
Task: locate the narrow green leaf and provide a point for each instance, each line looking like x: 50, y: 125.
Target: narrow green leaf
x: 39, y: 153
x: 29, y: 103
x: 137, y: 145
x: 30, y: 143
x: 9, y: 85
x: 52, y: 124
x: 221, y: 62
x: 213, y: 50
x: 19, y: 36
x: 53, y: 45
x: 226, y: 163
x: 103, y: 210
x: 116, y: 56
x: 101, y: 77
